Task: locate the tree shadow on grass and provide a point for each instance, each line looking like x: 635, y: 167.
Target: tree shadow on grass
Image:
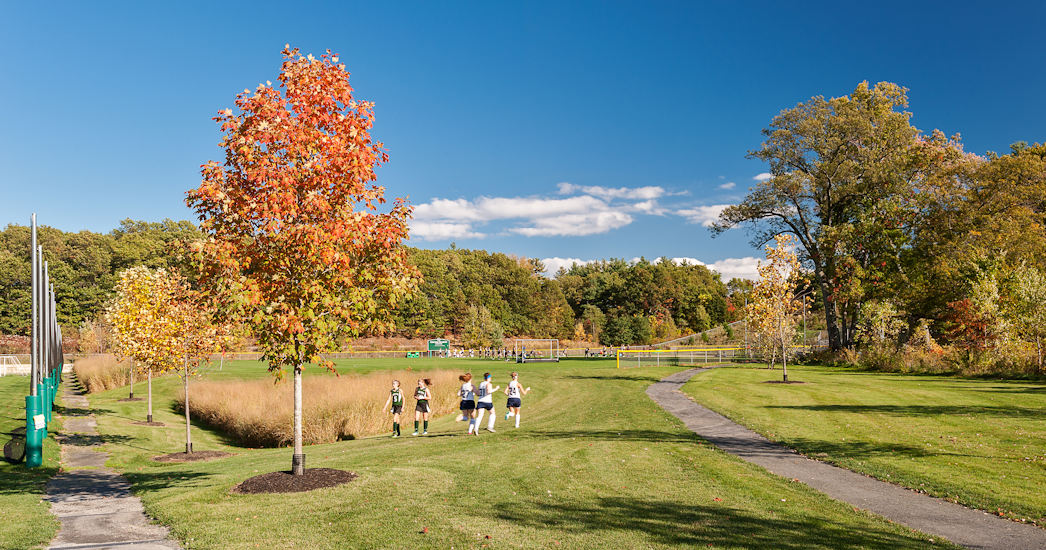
x: 687, y: 525
x: 79, y: 411
x: 923, y: 410
x: 613, y: 377
x: 88, y: 440
x: 653, y: 436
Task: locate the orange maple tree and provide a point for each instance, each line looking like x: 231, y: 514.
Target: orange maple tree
x: 297, y: 243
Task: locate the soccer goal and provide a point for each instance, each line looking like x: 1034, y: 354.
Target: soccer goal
x: 632, y: 358
x: 9, y: 364
x: 535, y: 350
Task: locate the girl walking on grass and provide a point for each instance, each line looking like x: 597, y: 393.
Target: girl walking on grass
x: 515, y: 393
x: 421, y: 410
x: 486, y: 402
x: 396, y: 401
x: 468, y: 403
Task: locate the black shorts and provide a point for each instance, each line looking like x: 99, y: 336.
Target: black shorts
x: 468, y: 405
x: 422, y: 407
x: 397, y: 409
x: 514, y: 402
x: 485, y: 405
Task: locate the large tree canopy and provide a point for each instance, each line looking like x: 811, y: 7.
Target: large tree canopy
x: 851, y: 180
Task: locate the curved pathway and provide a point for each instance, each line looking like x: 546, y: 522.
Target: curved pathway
x: 961, y: 525
x: 93, y: 503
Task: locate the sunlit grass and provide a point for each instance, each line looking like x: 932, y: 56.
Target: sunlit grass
x: 981, y: 443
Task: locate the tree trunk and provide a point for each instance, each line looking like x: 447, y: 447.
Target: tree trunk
x: 131, y: 396
x: 149, y: 417
x: 784, y: 348
x: 831, y: 317
x: 188, y: 434
x: 1038, y: 350
x: 298, y: 459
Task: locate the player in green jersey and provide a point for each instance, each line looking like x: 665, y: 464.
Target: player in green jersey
x: 396, y: 401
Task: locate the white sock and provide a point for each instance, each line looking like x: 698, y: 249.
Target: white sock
x: 490, y: 423
x: 479, y: 417
x: 517, y: 420
x: 472, y: 424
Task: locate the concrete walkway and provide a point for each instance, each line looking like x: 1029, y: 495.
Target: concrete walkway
x: 93, y: 503
x: 961, y: 525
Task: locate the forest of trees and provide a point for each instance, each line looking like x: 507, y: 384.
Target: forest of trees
x: 472, y: 295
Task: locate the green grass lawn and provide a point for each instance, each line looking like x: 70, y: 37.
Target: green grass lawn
x: 25, y: 519
x: 595, y: 464
x: 981, y: 443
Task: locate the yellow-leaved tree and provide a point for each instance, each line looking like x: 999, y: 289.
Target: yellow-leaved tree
x: 772, y: 308
x: 146, y: 327
x: 198, y: 339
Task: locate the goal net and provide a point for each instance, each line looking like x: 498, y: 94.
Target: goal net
x: 534, y: 350
x: 632, y: 358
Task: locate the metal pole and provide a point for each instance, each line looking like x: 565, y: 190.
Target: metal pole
x: 45, y: 333
x: 34, y: 331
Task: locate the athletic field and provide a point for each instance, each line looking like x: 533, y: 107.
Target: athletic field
x: 594, y: 464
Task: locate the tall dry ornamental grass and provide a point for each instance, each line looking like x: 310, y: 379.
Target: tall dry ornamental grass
x: 259, y: 413
x: 101, y: 372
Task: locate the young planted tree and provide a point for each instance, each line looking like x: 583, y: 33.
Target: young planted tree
x: 773, y: 304
x: 199, y: 338
x: 295, y: 244
x: 144, y: 323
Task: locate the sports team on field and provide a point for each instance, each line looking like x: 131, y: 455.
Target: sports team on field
x: 474, y: 401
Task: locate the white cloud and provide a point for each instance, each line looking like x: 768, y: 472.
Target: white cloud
x: 553, y: 265
x: 704, y: 215
x: 728, y: 268
x: 763, y: 176
x: 595, y: 210
x: 566, y: 225
x: 642, y: 193
x: 440, y: 231
x: 727, y: 185
x: 736, y: 268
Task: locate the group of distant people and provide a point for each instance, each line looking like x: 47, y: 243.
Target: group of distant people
x: 605, y: 352
x: 474, y: 402
x: 486, y: 353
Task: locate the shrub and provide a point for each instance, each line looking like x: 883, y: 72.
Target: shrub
x: 101, y: 372
x: 259, y: 413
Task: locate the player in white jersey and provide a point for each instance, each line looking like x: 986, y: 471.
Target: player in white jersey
x: 515, y: 393
x: 468, y: 402
x: 486, y: 402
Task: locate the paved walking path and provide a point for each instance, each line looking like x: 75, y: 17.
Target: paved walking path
x: 961, y: 525
x: 93, y: 503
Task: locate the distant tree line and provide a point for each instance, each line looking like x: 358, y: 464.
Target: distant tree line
x: 474, y: 295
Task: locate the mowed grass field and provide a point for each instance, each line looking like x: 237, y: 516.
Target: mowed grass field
x: 981, y: 443
x: 25, y: 519
x: 595, y: 464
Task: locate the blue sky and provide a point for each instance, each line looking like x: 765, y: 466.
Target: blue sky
x: 551, y: 130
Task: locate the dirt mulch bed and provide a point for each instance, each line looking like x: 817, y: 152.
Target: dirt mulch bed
x: 128, y: 399
x: 285, y: 482
x: 783, y: 382
x: 195, y: 456
x: 145, y: 423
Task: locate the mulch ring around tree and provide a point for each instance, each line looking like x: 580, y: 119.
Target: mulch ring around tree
x: 127, y: 399
x: 783, y: 382
x: 196, y: 456
x: 147, y: 423
x: 286, y: 482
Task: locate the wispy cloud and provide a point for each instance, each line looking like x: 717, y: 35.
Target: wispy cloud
x: 704, y: 215
x: 763, y: 176
x: 728, y: 185
x: 609, y: 193
x: 728, y: 268
x: 591, y: 210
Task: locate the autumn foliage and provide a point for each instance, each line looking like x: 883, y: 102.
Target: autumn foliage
x: 295, y: 243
